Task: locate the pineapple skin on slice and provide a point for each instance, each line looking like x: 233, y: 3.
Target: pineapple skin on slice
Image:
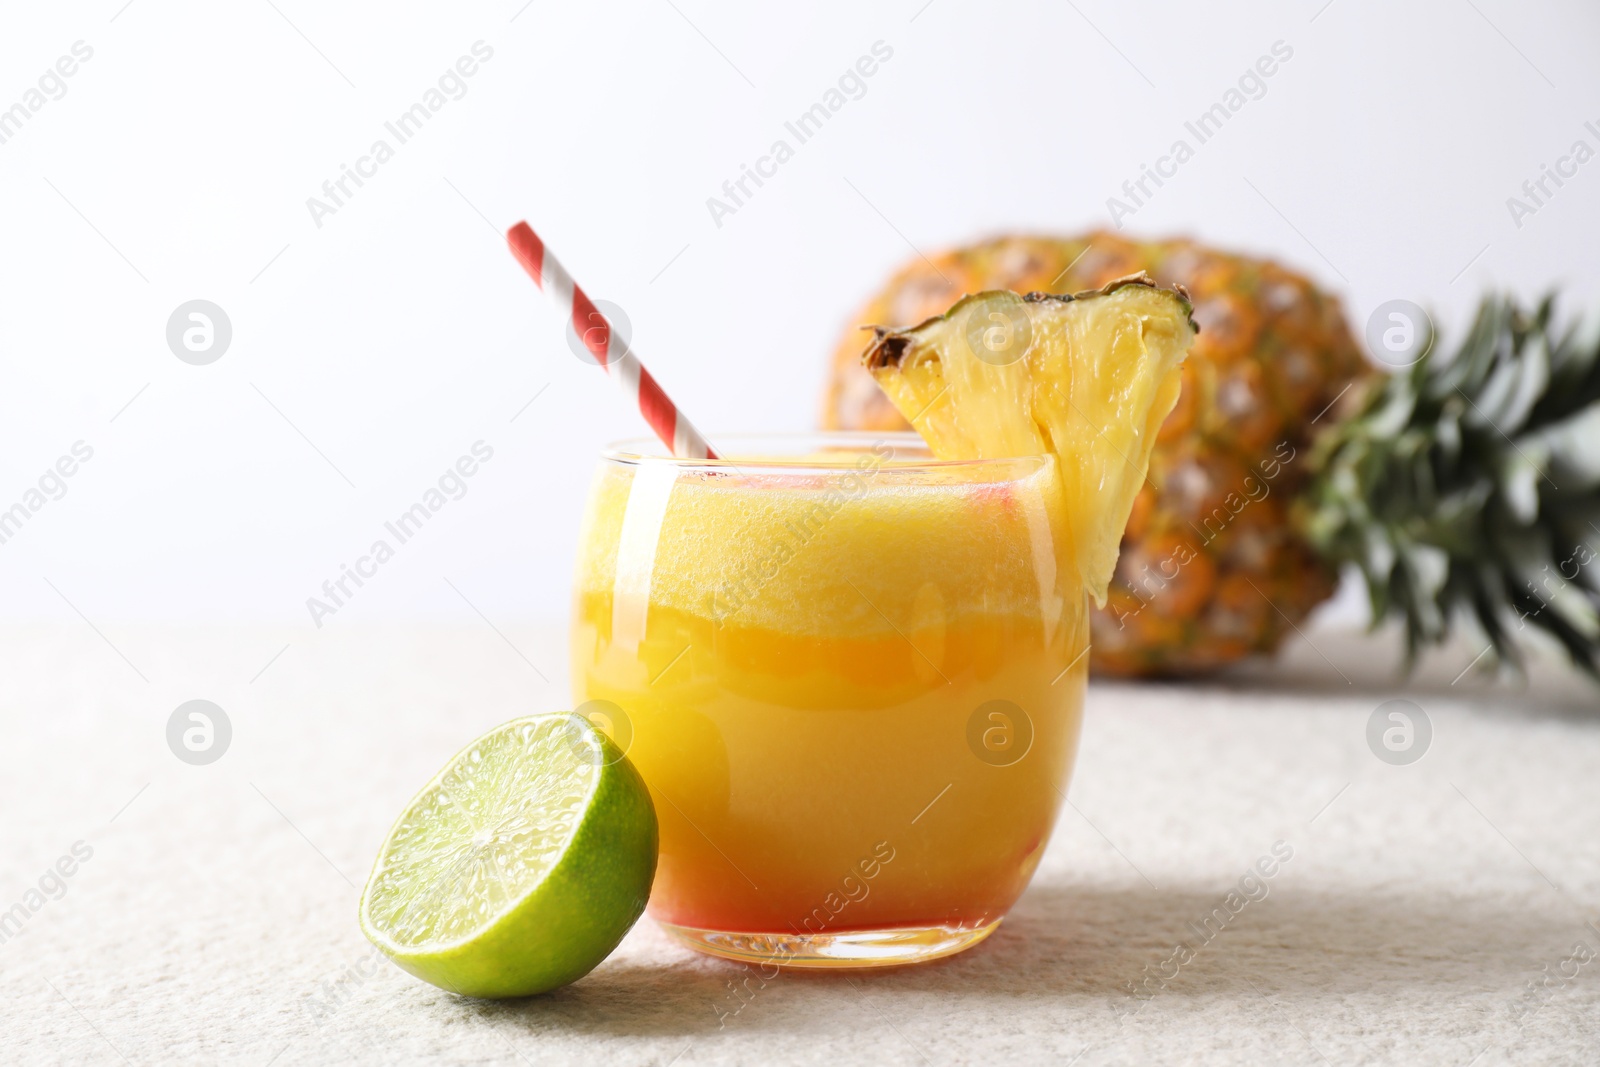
x: 1088, y: 377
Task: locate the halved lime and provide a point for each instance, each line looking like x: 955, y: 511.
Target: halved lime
x: 520, y: 866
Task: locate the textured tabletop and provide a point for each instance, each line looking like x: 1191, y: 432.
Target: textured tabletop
x: 1441, y: 912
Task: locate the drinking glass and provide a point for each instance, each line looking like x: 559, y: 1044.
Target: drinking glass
x: 852, y: 676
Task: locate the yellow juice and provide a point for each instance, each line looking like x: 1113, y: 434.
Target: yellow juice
x: 853, y: 685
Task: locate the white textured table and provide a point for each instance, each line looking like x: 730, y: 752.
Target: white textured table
x: 214, y: 921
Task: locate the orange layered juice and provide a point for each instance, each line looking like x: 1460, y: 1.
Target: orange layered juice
x: 852, y: 677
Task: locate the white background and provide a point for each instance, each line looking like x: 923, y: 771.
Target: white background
x: 178, y: 164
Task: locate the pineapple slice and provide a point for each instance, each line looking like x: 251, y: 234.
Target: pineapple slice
x: 1089, y: 378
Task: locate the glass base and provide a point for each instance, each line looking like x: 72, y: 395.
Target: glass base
x: 890, y: 947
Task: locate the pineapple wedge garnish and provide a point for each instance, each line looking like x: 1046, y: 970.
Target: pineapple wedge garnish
x: 1088, y: 378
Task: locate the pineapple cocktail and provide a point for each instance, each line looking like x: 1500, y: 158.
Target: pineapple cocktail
x: 851, y: 670
x: 798, y: 647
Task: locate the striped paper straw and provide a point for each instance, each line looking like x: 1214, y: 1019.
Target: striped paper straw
x: 610, y: 349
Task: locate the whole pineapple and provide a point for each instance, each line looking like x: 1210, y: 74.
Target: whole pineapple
x: 1210, y: 569
x: 1242, y: 524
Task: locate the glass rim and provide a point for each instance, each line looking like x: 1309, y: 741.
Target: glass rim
x: 636, y: 451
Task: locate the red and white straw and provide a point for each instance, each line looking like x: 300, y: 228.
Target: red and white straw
x: 610, y: 349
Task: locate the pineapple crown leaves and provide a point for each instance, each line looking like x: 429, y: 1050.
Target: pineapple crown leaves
x: 1470, y: 482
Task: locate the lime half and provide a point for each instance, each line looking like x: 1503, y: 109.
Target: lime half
x: 520, y: 866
